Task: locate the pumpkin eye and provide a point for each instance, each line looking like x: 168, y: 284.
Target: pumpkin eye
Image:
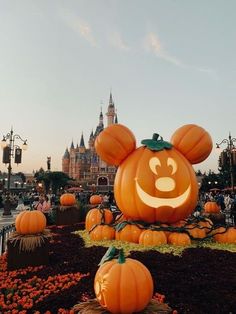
x: 172, y: 163
x: 153, y: 163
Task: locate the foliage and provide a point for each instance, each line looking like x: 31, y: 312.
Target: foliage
x: 53, y: 179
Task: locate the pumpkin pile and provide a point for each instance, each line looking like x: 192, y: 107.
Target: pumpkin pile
x: 155, y: 187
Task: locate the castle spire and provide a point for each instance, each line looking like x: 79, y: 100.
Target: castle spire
x: 67, y: 154
x: 82, y: 141
x: 72, y: 145
x: 116, y: 119
x: 110, y: 111
x: 111, y: 103
x: 101, y: 118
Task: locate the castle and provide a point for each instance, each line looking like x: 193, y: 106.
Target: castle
x: 84, y: 165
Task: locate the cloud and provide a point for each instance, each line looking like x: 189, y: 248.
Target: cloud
x: 118, y: 42
x: 154, y: 45
x: 77, y: 25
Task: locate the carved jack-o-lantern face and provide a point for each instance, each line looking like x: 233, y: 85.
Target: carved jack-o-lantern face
x: 156, y: 185
x: 155, y: 182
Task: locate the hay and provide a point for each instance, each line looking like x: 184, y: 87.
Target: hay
x: 67, y: 208
x: 93, y: 307
x: 29, y: 242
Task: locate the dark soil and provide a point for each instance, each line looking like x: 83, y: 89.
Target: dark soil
x: 200, y: 281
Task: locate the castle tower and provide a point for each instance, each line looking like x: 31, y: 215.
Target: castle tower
x: 81, y: 145
x: 66, y: 162
x: 91, y: 140
x: 111, y: 111
x: 101, y: 119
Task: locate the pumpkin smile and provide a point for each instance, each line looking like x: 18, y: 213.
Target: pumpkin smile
x: 156, y: 202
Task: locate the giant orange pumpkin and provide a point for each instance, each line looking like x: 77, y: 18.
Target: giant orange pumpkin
x: 156, y: 182
x: 161, y: 185
x: 30, y: 222
x: 123, y: 286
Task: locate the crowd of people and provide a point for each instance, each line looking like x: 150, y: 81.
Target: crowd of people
x: 45, y: 202
x: 226, y: 201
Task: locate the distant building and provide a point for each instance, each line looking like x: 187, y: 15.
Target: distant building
x: 84, y: 165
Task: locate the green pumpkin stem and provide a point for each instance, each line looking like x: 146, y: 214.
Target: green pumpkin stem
x: 156, y: 144
x: 121, y: 257
x: 155, y: 136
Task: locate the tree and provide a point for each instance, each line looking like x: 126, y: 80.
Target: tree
x: 58, y: 180
x: 53, y: 179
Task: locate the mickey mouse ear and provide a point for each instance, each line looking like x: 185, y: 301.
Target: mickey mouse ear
x: 193, y: 142
x: 115, y: 143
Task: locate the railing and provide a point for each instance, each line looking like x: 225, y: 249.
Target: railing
x: 4, y: 235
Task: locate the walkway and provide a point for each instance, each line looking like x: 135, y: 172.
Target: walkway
x: 6, y: 220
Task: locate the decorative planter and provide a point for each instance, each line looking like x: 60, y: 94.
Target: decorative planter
x: 67, y: 215
x: 20, y: 256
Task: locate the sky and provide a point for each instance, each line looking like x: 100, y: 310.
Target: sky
x: 167, y: 63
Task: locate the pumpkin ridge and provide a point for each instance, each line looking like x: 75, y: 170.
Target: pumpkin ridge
x: 142, y: 157
x: 185, y: 134
x: 147, y: 277
x: 117, y: 143
x: 195, y: 144
x: 134, y: 279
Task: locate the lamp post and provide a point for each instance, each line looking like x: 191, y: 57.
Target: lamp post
x: 230, y: 148
x: 11, y: 150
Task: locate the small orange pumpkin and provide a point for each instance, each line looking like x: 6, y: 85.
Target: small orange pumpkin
x: 96, y: 216
x: 152, y: 237
x: 211, y: 207
x: 102, y: 232
x: 67, y: 199
x: 225, y: 236
x: 207, y: 225
x: 130, y: 233
x: 95, y: 199
x: 181, y: 239
x: 196, y: 232
x: 30, y: 222
x: 123, y: 285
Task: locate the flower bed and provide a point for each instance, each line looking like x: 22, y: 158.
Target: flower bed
x: 199, y: 281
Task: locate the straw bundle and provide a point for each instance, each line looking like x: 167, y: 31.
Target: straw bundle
x: 28, y: 242
x: 93, y: 307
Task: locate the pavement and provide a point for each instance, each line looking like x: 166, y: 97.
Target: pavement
x: 7, y: 220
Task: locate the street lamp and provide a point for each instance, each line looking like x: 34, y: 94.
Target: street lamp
x: 11, y: 150
x: 229, y: 150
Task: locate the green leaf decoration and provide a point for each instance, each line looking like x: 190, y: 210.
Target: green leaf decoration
x: 156, y: 144
x: 109, y: 255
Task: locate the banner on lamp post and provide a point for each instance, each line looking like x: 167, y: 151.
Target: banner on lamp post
x: 18, y: 154
x: 6, y: 155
